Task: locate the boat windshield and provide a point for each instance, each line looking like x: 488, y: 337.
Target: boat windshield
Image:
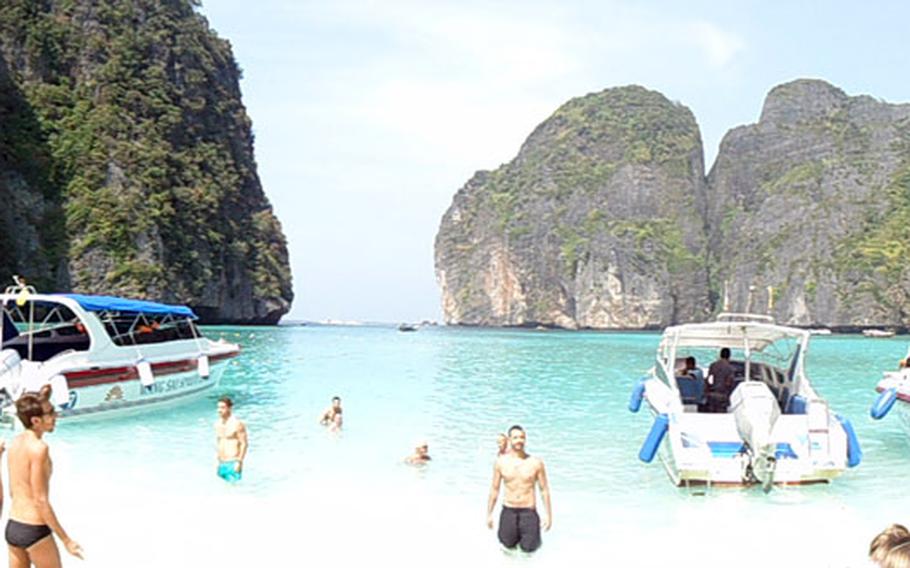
x: 38, y: 330
x: 126, y: 328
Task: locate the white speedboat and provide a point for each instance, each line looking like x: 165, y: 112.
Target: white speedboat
x: 103, y: 356
x: 775, y: 429
x: 894, y: 390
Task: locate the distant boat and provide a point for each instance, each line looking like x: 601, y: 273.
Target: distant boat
x: 878, y: 333
x: 820, y: 331
x: 407, y: 327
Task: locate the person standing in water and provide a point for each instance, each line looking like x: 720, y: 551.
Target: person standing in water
x: 502, y: 442
x: 232, y: 441
x: 32, y: 521
x: 421, y: 455
x: 519, y: 523
x: 331, y: 417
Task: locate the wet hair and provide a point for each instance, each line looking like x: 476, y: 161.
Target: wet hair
x: 898, y: 556
x: 227, y: 400
x: 334, y: 398
x: 31, y: 405
x: 516, y: 427
x: 725, y: 353
x: 886, y: 540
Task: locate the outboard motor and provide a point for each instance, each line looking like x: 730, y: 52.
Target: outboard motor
x: 756, y: 411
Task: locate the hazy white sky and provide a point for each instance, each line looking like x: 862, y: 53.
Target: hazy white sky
x: 369, y: 116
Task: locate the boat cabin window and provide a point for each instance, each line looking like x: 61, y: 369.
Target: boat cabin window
x: 775, y: 365
x: 39, y: 330
x: 142, y: 329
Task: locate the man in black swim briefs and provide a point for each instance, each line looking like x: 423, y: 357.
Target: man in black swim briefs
x: 519, y: 524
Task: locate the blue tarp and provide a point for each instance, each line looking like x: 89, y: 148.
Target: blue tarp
x: 105, y: 303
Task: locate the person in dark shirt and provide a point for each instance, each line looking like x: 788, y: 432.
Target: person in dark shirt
x: 720, y: 382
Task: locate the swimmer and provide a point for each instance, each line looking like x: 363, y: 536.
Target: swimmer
x: 420, y: 456
x: 519, y: 523
x: 32, y: 521
x: 885, y: 541
x: 231, y: 437
x: 332, y: 415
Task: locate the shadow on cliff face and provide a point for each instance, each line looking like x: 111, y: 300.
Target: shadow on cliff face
x: 32, y: 225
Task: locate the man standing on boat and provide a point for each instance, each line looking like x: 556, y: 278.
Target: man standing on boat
x: 232, y: 441
x: 519, y: 523
x: 720, y: 382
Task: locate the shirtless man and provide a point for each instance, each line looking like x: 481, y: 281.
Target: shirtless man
x: 232, y: 441
x: 332, y: 415
x: 519, y: 523
x: 32, y: 521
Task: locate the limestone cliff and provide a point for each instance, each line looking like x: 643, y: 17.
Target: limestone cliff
x: 597, y: 223
x: 136, y: 173
x: 814, y: 201
x: 605, y: 218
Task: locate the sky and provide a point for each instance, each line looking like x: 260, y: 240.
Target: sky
x: 369, y: 116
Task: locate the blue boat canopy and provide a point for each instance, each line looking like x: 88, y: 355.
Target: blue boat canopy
x: 111, y: 303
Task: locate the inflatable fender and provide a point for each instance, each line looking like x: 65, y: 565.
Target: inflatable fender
x: 638, y: 393
x: 854, y: 453
x: 146, y: 377
x: 655, y: 436
x: 883, y: 403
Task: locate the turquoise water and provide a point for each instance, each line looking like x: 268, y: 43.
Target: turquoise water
x: 143, y: 492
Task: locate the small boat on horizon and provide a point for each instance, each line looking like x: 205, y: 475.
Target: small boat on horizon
x: 878, y: 333
x: 103, y: 356
x: 774, y: 429
x: 407, y: 327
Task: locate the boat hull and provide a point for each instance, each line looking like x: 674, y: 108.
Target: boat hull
x: 116, y: 392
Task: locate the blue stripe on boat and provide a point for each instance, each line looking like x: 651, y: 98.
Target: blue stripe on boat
x: 733, y: 449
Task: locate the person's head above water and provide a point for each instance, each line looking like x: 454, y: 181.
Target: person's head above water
x: 35, y: 410
x: 336, y: 402
x: 886, y: 540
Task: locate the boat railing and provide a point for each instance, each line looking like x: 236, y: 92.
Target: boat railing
x: 743, y: 317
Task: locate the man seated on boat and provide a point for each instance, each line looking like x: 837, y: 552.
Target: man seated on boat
x: 720, y: 382
x: 691, y: 382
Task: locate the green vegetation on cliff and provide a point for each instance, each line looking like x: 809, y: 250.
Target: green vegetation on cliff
x: 152, y: 151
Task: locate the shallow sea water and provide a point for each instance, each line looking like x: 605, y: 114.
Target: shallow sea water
x: 143, y: 492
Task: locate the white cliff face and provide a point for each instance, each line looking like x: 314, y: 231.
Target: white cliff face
x: 503, y: 288
x: 595, y: 224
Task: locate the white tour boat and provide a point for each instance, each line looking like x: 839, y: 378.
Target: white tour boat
x: 775, y: 429
x: 103, y: 356
x: 894, y: 390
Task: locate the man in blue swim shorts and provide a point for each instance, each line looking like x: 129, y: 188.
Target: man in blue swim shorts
x: 231, y: 440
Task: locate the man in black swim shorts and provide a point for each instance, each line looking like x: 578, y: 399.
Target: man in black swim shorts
x: 519, y: 524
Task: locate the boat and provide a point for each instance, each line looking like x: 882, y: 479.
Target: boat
x: 819, y: 331
x: 878, y: 333
x: 894, y: 391
x: 776, y: 428
x: 103, y: 356
x: 407, y: 327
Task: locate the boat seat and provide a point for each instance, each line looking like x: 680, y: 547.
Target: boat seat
x: 692, y: 389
